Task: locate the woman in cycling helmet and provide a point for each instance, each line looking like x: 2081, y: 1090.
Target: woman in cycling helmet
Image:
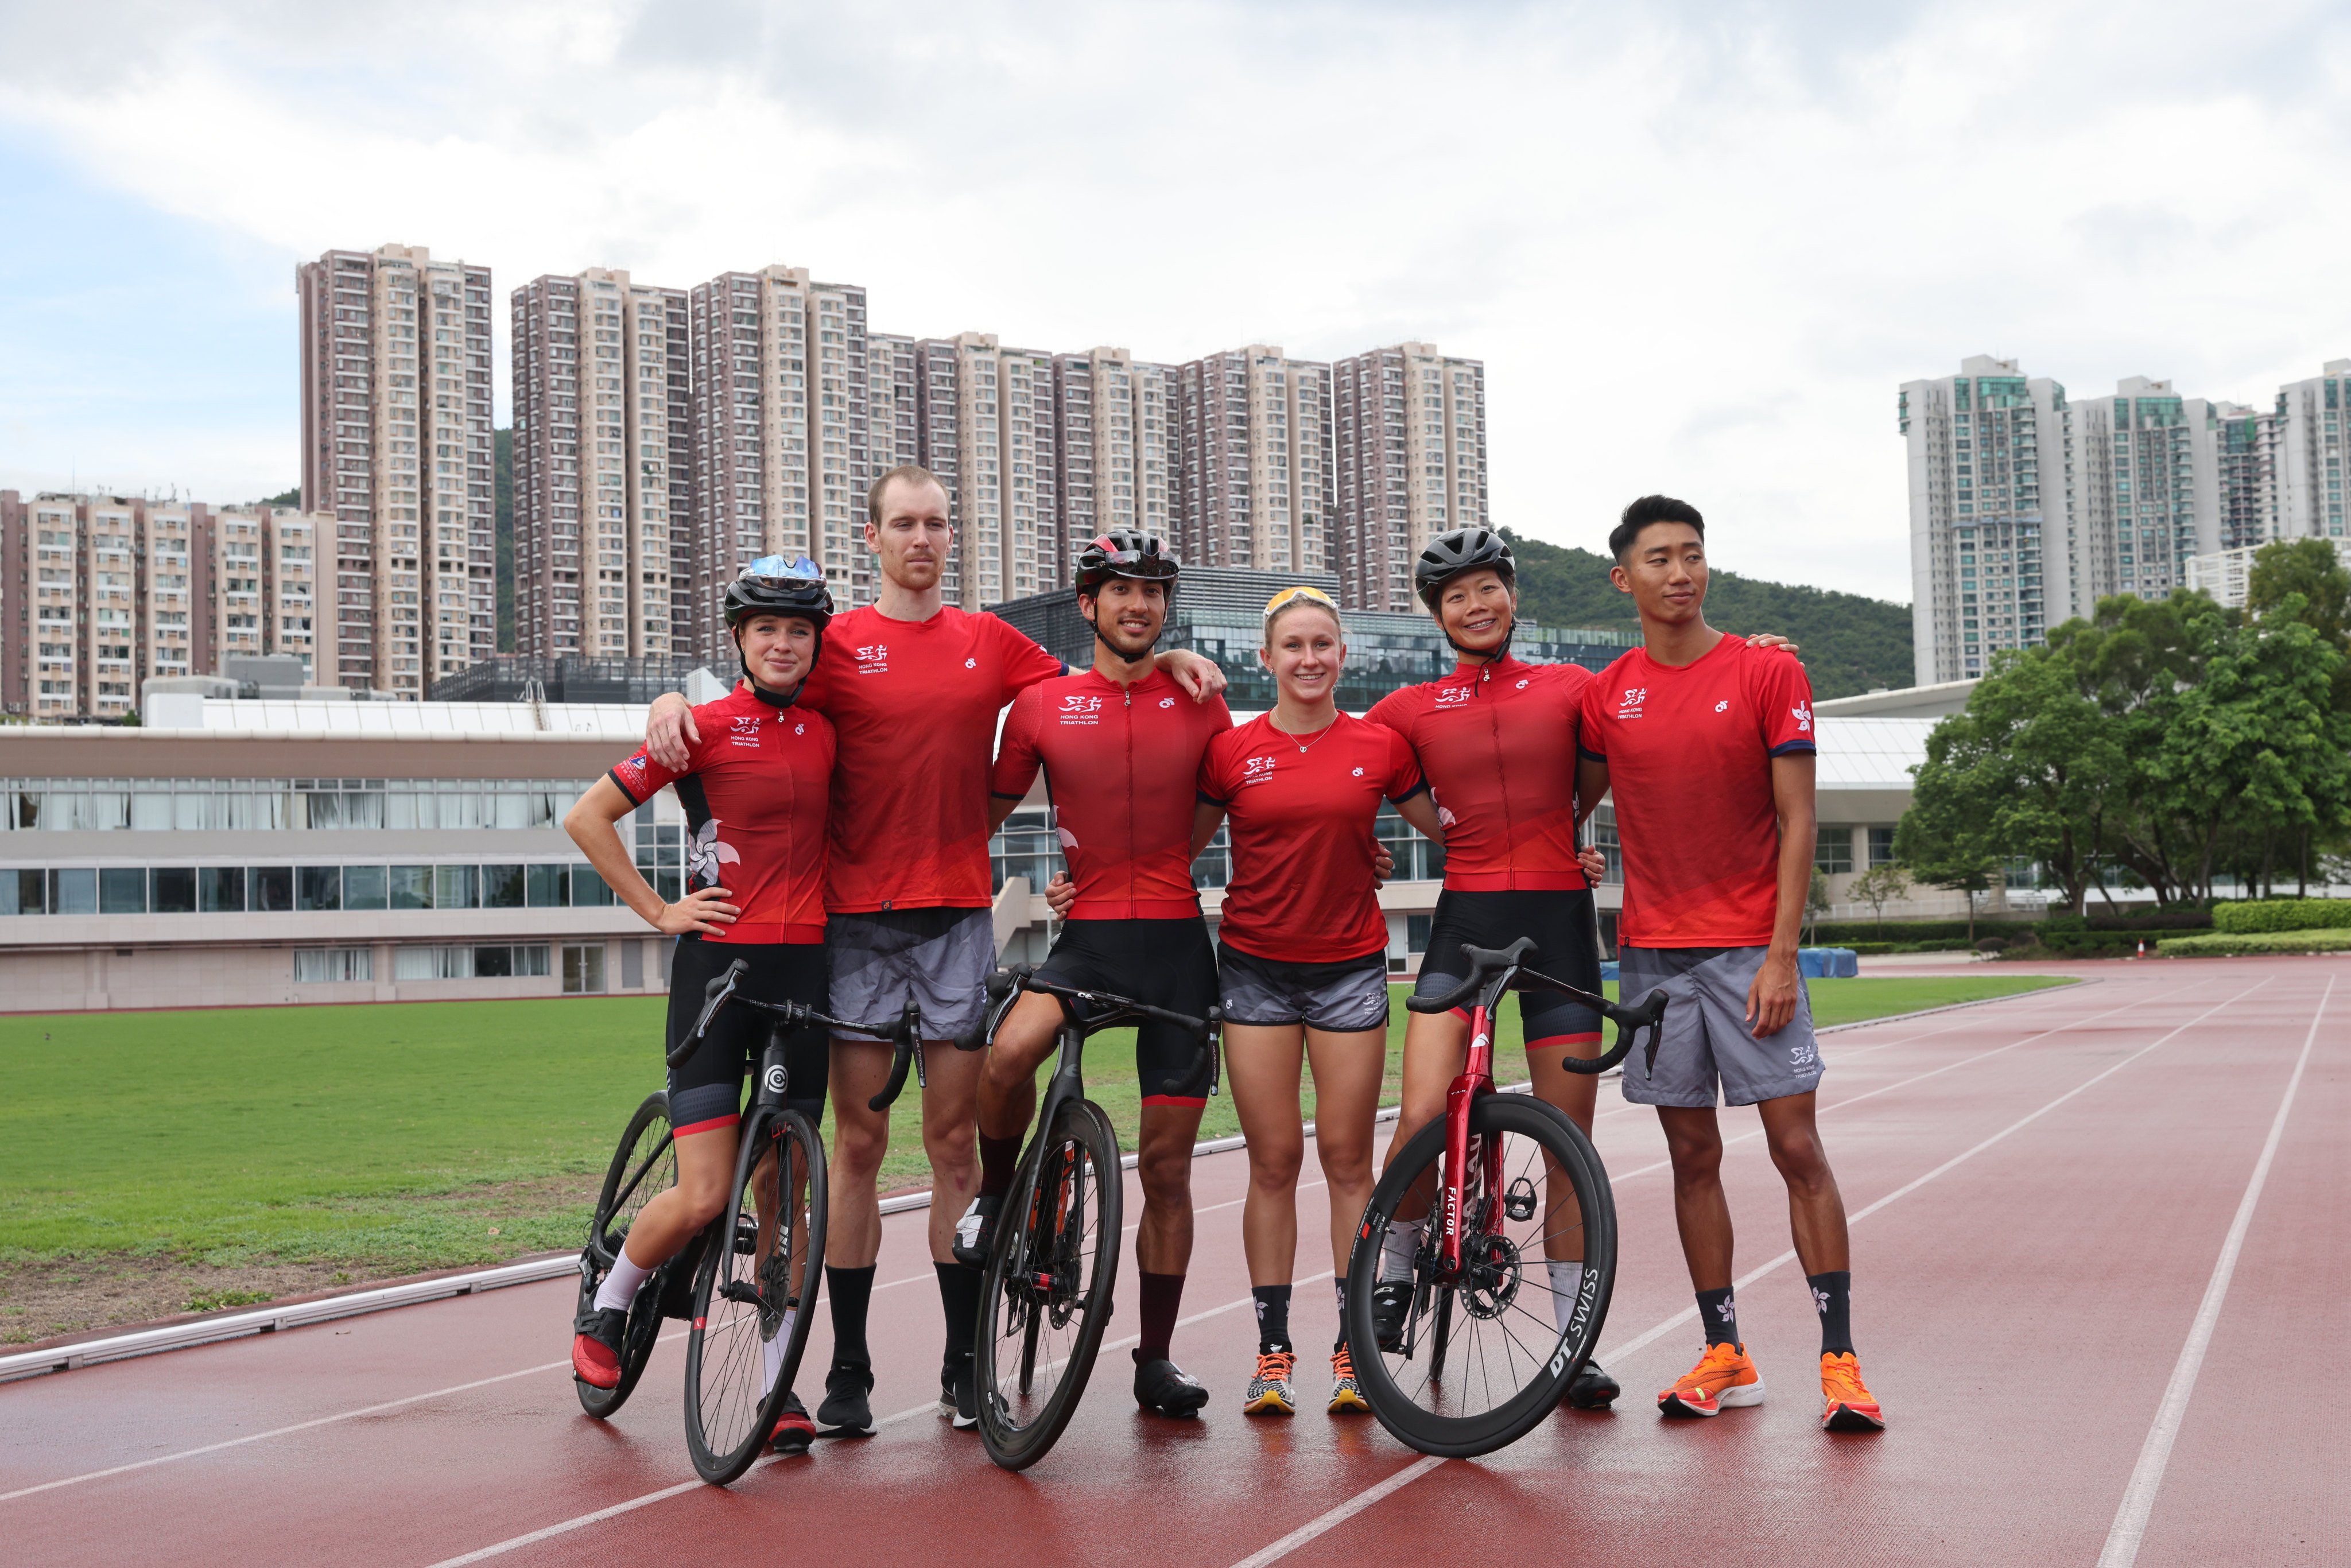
x: 755, y: 792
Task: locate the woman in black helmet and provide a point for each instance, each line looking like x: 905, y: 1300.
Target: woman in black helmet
x: 754, y: 791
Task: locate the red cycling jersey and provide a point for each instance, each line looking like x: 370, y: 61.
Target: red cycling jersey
x: 1689, y: 751
x: 916, y: 703
x: 754, y: 791
x: 1302, y: 888
x: 1120, y: 762
x: 1497, y: 744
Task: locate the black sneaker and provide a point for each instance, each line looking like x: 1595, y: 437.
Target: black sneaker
x: 1593, y: 1388
x: 596, y: 1336
x: 793, y: 1427
x: 975, y: 1236
x: 959, y: 1393
x: 1166, y: 1388
x: 1391, y: 1305
x: 846, y: 1411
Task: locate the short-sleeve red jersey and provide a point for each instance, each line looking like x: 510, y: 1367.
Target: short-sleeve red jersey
x: 915, y: 704
x: 1301, y: 821
x: 1690, y: 768
x: 1498, y: 744
x: 755, y: 790
x: 1120, y: 763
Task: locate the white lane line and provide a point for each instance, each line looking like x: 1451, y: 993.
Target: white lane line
x: 1363, y: 1500
x: 2147, y: 1478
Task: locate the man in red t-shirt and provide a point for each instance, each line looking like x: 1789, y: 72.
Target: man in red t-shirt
x: 1709, y: 744
x: 913, y: 686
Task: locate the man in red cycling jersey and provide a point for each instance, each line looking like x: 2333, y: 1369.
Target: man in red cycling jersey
x: 913, y: 686
x: 1709, y: 744
x: 1119, y: 746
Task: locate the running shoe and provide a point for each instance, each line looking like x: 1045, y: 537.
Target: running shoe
x: 1851, y: 1405
x: 595, y: 1346
x: 1168, y: 1389
x: 1592, y: 1389
x: 794, y: 1431
x: 959, y: 1393
x: 1269, y: 1390
x: 846, y: 1411
x: 1345, y: 1395
x: 1391, y: 1307
x: 975, y: 1234
x: 1724, y: 1379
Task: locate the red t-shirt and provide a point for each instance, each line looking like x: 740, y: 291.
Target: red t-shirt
x: 1120, y: 762
x: 755, y: 794
x: 1302, y: 888
x: 1497, y: 744
x: 1689, y: 768
x: 915, y: 704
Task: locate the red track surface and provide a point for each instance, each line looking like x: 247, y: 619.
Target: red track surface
x: 2041, y: 1189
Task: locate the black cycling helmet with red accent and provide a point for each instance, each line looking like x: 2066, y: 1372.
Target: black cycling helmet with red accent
x: 1129, y: 553
x: 1449, y: 555
x: 773, y: 585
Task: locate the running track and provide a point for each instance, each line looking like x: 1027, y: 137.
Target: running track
x: 2103, y: 1280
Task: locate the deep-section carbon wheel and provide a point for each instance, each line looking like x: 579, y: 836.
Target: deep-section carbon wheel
x: 761, y: 1260
x: 1481, y: 1356
x: 645, y: 1164
x: 1046, y: 1295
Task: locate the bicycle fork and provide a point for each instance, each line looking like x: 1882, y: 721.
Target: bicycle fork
x: 1476, y: 1080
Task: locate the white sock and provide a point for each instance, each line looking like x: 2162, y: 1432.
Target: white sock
x: 1396, y: 1249
x: 620, y: 1285
x: 1566, y: 1279
x: 771, y: 1353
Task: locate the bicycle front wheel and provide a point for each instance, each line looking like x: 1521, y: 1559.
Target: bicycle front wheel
x: 644, y: 1165
x: 1046, y: 1295
x: 1481, y: 1355
x: 761, y: 1260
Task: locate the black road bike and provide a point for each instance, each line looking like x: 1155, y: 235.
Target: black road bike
x: 1045, y: 1295
x: 1509, y: 1185
x: 740, y: 1283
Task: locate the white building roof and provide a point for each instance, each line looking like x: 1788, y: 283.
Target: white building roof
x: 1870, y: 753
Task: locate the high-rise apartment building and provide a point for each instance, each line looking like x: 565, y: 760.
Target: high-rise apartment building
x: 2142, y: 492
x: 1117, y: 430
x: 2245, y: 444
x: 1411, y: 460
x: 779, y: 432
x: 1256, y: 460
x: 984, y: 426
x: 892, y: 411
x: 2311, y: 416
x: 603, y: 459
x: 102, y: 591
x: 396, y: 445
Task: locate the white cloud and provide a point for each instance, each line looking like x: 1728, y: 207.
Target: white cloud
x: 1698, y: 247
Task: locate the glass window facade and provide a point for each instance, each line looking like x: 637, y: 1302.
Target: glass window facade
x: 275, y: 805
x: 235, y: 889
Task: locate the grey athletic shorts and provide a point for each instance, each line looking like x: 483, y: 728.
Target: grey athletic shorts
x: 1706, y: 1036
x: 1339, y: 998
x: 941, y: 957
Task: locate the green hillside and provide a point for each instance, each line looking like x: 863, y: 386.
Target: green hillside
x: 1850, y: 643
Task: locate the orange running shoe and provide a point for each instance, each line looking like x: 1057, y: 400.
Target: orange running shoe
x: 1269, y: 1391
x: 1851, y: 1407
x: 1723, y: 1379
x: 1346, y: 1394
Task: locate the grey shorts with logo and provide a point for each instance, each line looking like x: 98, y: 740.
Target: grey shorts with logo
x: 941, y: 957
x: 1706, y: 1036
x: 1339, y: 999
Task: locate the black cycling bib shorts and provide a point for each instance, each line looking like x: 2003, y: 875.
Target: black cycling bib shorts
x: 1566, y: 930
x: 705, y: 1091
x: 1165, y: 963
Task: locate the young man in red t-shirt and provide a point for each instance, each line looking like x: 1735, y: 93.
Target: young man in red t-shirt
x: 913, y: 686
x: 1709, y: 744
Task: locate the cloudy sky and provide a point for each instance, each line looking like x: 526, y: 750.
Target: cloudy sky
x: 1697, y: 245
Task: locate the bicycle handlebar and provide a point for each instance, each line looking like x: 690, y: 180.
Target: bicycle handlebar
x: 905, y: 1036
x: 1006, y: 984
x: 1503, y: 969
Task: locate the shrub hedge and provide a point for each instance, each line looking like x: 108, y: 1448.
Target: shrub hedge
x: 2138, y: 920
x: 2284, y: 915
x: 2223, y: 943
x: 1848, y: 932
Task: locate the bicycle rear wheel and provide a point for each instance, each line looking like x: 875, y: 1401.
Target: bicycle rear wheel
x: 761, y: 1260
x: 1046, y: 1295
x: 644, y: 1165
x: 1482, y: 1357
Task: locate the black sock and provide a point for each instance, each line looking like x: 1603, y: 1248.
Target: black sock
x: 959, y: 1298
x: 851, y: 1289
x: 999, y: 1161
x: 1338, y: 1288
x: 1272, y: 1317
x: 1163, y: 1297
x: 1720, y: 1317
x: 1833, y: 1295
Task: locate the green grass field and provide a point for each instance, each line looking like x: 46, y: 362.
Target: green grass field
x: 404, y: 1138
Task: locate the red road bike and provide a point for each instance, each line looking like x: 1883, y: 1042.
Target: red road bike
x: 1484, y: 1205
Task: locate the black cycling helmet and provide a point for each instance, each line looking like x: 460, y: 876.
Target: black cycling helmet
x: 773, y: 585
x: 1464, y: 549
x: 1128, y: 553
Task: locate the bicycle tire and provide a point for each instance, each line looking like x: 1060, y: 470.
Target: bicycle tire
x: 740, y: 1307
x: 645, y: 1143
x: 1440, y: 1420
x: 1071, y: 1180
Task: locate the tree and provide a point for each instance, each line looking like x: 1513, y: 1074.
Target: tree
x: 2310, y: 568
x: 1879, y: 886
x: 1816, y: 898
x: 1946, y: 838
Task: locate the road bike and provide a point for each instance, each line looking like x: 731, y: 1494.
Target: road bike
x: 1510, y: 1185
x: 741, y: 1280
x: 1046, y: 1293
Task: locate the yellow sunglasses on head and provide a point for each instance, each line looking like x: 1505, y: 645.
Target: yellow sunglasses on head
x: 1301, y: 591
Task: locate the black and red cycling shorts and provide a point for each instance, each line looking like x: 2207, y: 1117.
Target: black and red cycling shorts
x: 1567, y: 947
x: 705, y: 1091
x: 1166, y: 963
